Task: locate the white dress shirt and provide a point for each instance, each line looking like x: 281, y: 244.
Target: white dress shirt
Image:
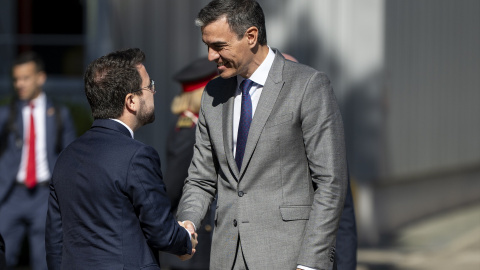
x: 259, y: 77
x: 41, y: 161
x: 125, y: 125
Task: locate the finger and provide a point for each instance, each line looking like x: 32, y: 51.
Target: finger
x: 189, y: 226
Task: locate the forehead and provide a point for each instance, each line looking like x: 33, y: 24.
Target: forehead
x: 217, y: 31
x: 28, y: 67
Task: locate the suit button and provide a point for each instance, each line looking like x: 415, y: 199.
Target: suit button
x: 240, y: 194
x: 235, y: 223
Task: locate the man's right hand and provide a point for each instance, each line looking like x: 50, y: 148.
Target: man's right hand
x: 188, y: 225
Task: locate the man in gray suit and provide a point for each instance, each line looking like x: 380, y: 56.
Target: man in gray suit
x: 270, y: 144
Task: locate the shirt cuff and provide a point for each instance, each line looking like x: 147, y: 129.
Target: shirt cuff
x: 304, y: 267
x: 194, y: 227
x: 189, y: 233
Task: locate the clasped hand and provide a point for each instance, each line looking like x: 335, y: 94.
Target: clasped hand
x: 190, y: 228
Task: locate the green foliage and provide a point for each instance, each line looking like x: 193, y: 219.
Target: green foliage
x: 82, y: 117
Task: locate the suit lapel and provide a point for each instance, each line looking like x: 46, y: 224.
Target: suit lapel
x: 270, y: 92
x: 227, y: 124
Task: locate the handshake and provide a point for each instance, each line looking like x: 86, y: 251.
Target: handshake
x: 191, y: 229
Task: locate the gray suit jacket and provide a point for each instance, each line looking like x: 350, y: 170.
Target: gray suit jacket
x: 285, y: 202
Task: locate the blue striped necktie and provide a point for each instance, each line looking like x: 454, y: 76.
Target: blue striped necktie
x: 245, y: 121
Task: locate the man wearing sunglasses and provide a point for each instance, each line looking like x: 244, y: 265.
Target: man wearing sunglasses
x: 108, y: 207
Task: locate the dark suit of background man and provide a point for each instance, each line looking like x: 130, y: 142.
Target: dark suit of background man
x: 281, y: 179
x: 108, y: 208
x: 27, y: 158
x: 180, y: 141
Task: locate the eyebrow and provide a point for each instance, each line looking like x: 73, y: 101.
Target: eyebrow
x: 216, y: 43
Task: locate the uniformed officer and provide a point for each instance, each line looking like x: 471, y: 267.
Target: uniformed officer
x: 193, y: 79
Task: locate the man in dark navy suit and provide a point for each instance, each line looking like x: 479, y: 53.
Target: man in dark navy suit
x: 108, y: 207
x: 33, y: 132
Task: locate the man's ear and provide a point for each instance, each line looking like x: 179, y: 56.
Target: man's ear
x: 131, y: 102
x: 41, y: 78
x: 252, y: 36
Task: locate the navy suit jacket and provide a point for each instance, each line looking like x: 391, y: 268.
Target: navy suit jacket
x: 108, y: 208
x: 10, y: 159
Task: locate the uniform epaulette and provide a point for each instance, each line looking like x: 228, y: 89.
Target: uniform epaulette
x: 184, y: 122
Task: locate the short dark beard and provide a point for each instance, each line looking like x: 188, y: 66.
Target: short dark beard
x: 145, y: 118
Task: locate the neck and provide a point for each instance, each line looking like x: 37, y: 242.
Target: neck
x: 259, y: 55
x: 132, y: 123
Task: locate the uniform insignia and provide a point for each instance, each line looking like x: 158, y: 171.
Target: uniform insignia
x: 51, y: 111
x: 184, y: 122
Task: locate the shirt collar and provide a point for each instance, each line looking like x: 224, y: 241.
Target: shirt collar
x: 260, y: 75
x: 125, y: 125
x: 40, y: 100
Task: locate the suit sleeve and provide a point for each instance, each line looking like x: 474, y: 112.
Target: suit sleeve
x: 146, y: 189
x: 53, y: 232
x: 323, y: 136
x: 201, y: 184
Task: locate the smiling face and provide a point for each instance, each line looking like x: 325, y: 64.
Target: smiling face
x: 232, y: 55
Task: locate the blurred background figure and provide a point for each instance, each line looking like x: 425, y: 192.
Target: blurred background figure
x: 33, y: 131
x: 180, y: 142
x: 289, y: 57
x: 346, y: 244
x: 2, y: 253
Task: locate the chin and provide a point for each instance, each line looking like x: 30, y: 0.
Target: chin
x: 226, y: 74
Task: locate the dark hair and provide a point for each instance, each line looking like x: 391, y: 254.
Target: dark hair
x: 28, y: 57
x: 109, y: 79
x: 240, y: 14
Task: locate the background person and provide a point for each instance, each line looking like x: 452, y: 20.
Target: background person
x: 270, y: 145
x: 346, y: 243
x: 2, y: 253
x: 33, y: 131
x: 180, y: 142
x: 108, y: 208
